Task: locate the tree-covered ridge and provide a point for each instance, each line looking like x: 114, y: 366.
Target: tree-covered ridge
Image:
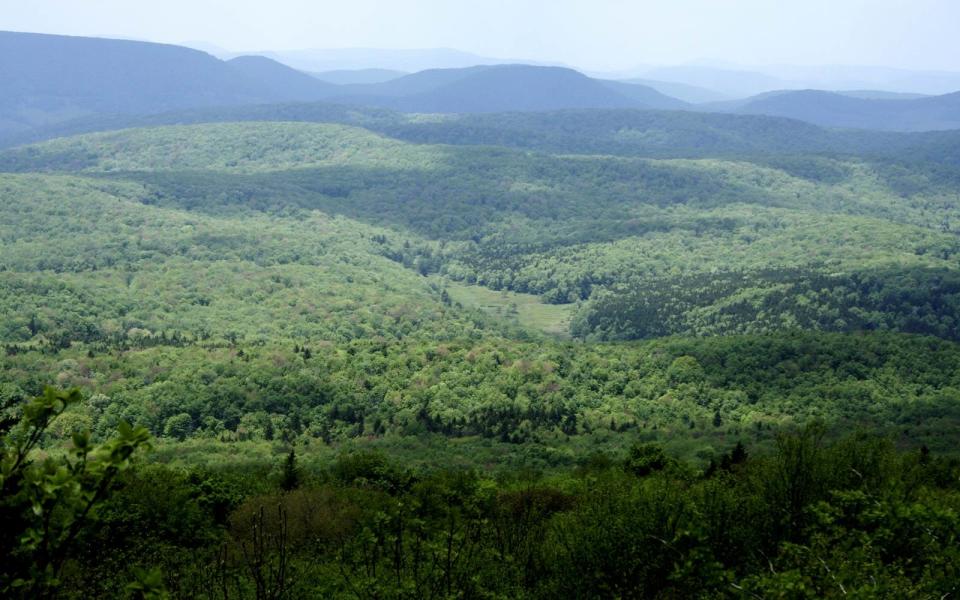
x: 335, y: 153
x: 663, y: 134
x: 340, y: 161
x: 735, y: 237
x: 219, y: 147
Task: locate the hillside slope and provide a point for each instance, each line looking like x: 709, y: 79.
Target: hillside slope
x: 125, y: 268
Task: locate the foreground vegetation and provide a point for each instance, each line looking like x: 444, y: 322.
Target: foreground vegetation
x: 809, y: 519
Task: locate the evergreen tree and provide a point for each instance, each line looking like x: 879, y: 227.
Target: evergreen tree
x: 291, y: 472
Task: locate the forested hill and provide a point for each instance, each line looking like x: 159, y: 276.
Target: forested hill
x: 484, y: 331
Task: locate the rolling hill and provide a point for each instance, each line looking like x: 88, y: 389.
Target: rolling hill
x: 717, y: 240
x: 272, y: 336
x: 646, y: 96
x: 407, y: 60
x: 739, y: 82
x: 421, y: 82
x: 55, y: 79
x: 621, y: 132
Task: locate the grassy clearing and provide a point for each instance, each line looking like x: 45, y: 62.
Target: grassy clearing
x: 526, y: 310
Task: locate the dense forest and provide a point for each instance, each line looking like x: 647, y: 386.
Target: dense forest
x: 711, y: 246
x: 808, y: 519
x: 307, y: 351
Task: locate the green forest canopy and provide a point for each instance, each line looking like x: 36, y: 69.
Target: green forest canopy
x: 251, y: 293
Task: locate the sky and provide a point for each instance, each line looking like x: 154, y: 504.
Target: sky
x: 588, y: 34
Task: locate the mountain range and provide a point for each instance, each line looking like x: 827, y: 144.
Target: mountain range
x: 51, y: 79
x: 366, y: 58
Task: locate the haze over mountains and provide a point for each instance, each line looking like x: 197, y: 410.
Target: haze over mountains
x: 365, y: 58
x: 51, y: 79
x: 351, y: 76
x: 727, y: 80
x: 737, y: 82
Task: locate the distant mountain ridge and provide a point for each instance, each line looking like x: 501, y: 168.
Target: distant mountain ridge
x: 355, y: 76
x: 406, y: 60
x: 740, y: 82
x: 681, y: 91
x: 830, y: 109
x: 501, y: 88
x: 280, y: 81
x: 50, y: 79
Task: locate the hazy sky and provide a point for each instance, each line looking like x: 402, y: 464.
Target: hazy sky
x: 593, y: 34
